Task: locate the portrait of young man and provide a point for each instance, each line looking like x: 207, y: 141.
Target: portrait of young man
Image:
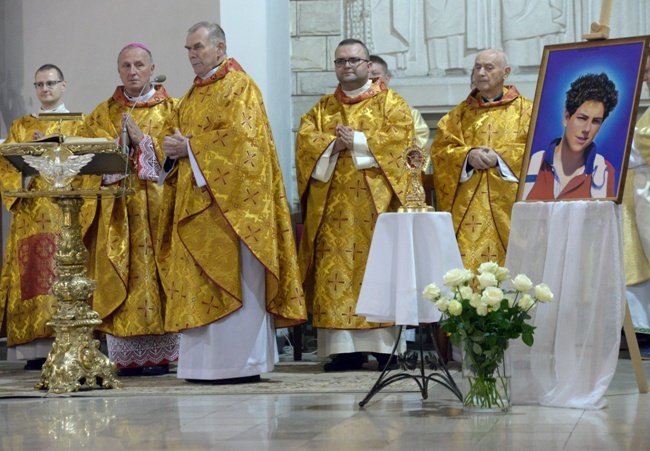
x: 583, y: 120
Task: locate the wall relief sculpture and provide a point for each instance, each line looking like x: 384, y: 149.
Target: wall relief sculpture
x: 440, y: 38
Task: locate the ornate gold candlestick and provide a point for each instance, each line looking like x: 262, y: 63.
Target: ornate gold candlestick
x: 414, y: 159
x: 75, y: 361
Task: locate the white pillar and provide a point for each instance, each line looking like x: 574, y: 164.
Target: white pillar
x: 258, y: 35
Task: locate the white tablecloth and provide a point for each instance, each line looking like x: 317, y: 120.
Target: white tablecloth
x: 576, y: 249
x: 408, y: 252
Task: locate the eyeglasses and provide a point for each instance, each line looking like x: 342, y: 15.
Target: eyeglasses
x: 354, y: 62
x: 49, y: 84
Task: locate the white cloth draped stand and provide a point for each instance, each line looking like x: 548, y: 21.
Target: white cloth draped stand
x: 408, y: 252
x: 576, y: 249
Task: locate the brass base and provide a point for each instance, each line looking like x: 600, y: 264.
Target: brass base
x: 75, y: 361
x: 418, y: 209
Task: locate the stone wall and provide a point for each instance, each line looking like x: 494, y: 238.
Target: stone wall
x: 316, y: 30
x: 430, y: 45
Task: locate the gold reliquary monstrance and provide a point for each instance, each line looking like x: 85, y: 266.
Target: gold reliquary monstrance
x: 75, y: 361
x: 415, y: 161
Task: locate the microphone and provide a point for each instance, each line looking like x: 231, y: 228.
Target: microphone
x: 125, y: 134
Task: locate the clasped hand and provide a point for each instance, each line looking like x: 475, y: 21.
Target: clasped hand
x: 135, y: 135
x: 344, y: 138
x: 482, y: 158
x: 175, y: 146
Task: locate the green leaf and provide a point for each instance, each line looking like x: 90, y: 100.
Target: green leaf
x: 527, y: 338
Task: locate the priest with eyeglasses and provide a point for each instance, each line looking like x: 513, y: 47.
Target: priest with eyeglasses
x: 349, y: 168
x: 26, y: 300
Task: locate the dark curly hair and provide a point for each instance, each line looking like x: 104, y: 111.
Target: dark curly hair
x: 594, y: 87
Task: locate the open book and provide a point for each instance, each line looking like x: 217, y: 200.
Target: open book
x: 56, y: 137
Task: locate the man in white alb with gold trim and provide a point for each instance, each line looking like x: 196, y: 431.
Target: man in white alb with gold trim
x: 129, y: 296
x: 226, y: 244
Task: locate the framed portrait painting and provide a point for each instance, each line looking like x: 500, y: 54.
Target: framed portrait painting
x: 583, y: 120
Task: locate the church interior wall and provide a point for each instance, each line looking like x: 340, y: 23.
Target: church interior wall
x: 84, y: 39
x: 429, y: 45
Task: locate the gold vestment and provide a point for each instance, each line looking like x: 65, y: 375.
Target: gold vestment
x: 244, y: 200
x: 480, y: 207
x: 29, y: 266
x: 129, y: 297
x: 421, y: 129
x: 340, y: 214
x: 637, y: 267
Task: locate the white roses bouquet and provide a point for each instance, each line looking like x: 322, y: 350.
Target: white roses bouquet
x: 483, y: 317
x: 490, y: 310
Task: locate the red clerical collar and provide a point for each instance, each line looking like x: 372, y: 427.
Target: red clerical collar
x: 159, y: 96
x: 227, y: 66
x: 375, y: 88
x: 510, y: 93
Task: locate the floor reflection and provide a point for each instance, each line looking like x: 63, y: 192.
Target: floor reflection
x: 318, y: 421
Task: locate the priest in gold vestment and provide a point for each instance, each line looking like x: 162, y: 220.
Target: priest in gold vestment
x: 636, y: 225
x: 26, y: 302
x: 349, y: 168
x: 477, y: 156
x: 379, y: 69
x: 129, y: 297
x: 226, y: 247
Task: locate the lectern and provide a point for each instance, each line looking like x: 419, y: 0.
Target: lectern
x: 75, y: 361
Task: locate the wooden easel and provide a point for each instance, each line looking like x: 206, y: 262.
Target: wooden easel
x: 600, y: 30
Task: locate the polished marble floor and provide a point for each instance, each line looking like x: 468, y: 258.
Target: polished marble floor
x: 329, y: 422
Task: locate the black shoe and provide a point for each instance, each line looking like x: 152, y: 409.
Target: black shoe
x: 34, y: 364
x: 382, y: 360
x: 122, y: 372
x: 232, y: 380
x: 643, y: 340
x: 156, y: 370
x: 345, y: 362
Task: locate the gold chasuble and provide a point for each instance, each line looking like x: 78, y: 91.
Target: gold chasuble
x: 340, y: 214
x: 243, y: 200
x: 637, y: 267
x: 481, y: 206
x: 128, y: 298
x: 29, y: 265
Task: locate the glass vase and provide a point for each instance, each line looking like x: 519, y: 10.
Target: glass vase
x: 486, y: 378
